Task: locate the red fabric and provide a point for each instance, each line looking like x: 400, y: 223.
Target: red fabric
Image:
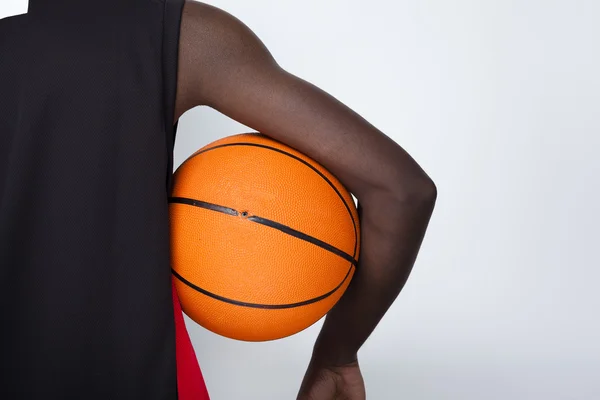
x: 190, y: 383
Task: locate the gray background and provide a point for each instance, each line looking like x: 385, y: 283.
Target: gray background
x: 499, y: 102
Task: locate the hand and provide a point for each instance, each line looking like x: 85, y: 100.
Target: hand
x: 333, y: 383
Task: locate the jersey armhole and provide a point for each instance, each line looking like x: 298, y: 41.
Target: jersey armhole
x: 190, y: 382
x: 173, y: 13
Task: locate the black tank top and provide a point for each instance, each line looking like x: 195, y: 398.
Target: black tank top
x: 87, y: 93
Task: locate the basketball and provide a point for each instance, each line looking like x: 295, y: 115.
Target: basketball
x: 264, y: 240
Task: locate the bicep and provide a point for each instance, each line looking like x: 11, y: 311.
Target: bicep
x: 235, y: 74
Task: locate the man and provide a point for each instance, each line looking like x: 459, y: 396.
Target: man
x: 90, y: 95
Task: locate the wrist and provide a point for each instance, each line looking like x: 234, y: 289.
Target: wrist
x: 328, y: 353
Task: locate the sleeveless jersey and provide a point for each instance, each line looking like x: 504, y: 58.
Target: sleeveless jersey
x: 87, y: 303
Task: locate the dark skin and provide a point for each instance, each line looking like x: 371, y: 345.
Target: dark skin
x: 224, y: 65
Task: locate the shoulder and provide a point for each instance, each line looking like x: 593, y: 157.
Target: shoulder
x: 210, y: 26
x: 11, y: 31
x: 11, y: 23
x: 12, y: 18
x: 197, y: 11
x: 213, y: 44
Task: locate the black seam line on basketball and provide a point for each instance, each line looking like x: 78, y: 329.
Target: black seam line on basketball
x: 298, y: 159
x: 203, y: 204
x: 267, y: 222
x: 255, y: 305
x: 303, y: 236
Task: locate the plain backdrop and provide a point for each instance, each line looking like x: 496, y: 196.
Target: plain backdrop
x: 499, y: 101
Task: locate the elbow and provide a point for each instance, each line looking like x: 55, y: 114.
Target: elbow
x: 427, y: 191
x: 404, y: 188
x: 420, y: 192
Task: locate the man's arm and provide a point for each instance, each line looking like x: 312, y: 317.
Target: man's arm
x: 224, y: 65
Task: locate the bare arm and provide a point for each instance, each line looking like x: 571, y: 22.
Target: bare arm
x: 224, y: 65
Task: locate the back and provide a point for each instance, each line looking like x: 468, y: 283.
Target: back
x: 87, y: 92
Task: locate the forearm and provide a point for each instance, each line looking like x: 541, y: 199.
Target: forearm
x: 392, y: 230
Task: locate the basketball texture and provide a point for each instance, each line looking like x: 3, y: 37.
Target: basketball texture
x: 264, y: 240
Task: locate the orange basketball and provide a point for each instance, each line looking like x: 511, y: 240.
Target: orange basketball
x: 264, y: 240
